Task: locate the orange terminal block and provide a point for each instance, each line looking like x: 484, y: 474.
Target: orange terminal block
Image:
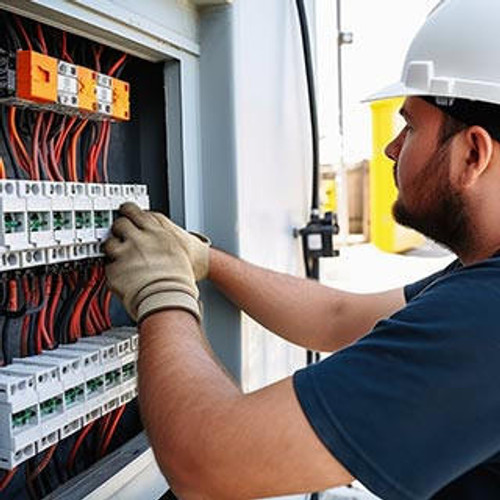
x: 120, y: 109
x: 36, y: 77
x: 87, y: 83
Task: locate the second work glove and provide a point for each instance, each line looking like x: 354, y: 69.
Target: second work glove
x: 150, y: 269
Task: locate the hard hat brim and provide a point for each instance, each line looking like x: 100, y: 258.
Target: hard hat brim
x: 398, y: 89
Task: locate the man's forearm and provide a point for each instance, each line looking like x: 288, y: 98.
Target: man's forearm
x: 301, y: 311
x: 181, y: 389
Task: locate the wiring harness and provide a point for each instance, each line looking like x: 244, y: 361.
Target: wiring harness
x: 47, y: 307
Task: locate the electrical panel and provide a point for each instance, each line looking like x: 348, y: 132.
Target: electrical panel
x: 79, y: 124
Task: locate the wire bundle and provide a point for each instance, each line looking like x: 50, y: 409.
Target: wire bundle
x: 47, y: 306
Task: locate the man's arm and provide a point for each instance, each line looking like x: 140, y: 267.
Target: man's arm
x: 302, y: 311
x: 210, y: 440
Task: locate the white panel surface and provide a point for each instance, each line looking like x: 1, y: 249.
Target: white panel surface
x: 274, y: 162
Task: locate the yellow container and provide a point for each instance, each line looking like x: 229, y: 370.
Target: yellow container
x: 328, y: 196
x: 385, y: 233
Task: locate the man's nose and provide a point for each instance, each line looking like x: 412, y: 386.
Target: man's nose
x: 393, y: 149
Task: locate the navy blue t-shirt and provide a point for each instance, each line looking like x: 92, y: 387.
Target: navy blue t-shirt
x: 412, y: 410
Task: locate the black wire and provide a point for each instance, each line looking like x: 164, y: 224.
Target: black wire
x: 18, y: 172
x: 306, y: 45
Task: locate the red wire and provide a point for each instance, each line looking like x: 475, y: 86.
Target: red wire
x: 104, y: 426
x: 3, y: 174
x: 24, y: 162
x: 45, y: 147
x: 36, y: 298
x: 76, y: 446
x: 117, y: 64
x: 54, y: 301
x: 53, y: 162
x: 43, y: 463
x: 13, y: 299
x: 97, y: 56
x: 76, y: 319
x: 35, y: 141
x: 62, y: 138
x: 106, y: 153
x: 112, y: 429
x: 23, y: 32
x: 42, y: 315
x: 41, y: 38
x: 72, y: 174
x: 106, y: 307
x: 26, y: 319
x: 7, y: 478
x: 64, y: 50
x: 96, y: 152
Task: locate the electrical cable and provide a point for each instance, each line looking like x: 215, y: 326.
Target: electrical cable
x: 7, y: 478
x: 22, y: 159
x: 3, y: 307
x: 316, y: 225
x: 21, y: 28
x: 306, y: 47
x: 16, y: 309
x: 74, y: 450
x: 112, y: 429
x: 16, y: 169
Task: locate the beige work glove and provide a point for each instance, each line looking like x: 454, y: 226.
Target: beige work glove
x: 196, y: 245
x: 150, y: 269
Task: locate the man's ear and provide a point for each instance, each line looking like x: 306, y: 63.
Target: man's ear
x: 478, y: 146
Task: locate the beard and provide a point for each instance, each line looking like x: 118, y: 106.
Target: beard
x: 439, y: 211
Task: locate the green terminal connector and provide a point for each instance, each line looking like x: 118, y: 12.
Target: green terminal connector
x: 38, y: 221
x: 13, y: 223
x: 23, y: 417
x: 112, y: 378
x: 73, y: 395
x: 83, y: 220
x: 51, y: 406
x: 101, y: 219
x: 94, y: 385
x: 61, y: 220
x: 128, y: 371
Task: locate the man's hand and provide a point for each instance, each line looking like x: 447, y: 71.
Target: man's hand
x: 151, y: 267
x: 196, y: 245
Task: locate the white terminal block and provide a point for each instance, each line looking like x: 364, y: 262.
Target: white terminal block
x: 114, y: 193
x: 47, y: 397
x: 13, y: 222
x: 67, y: 84
x: 84, y: 220
x: 50, y: 398
x: 63, y: 214
x: 39, y: 213
x: 101, y: 204
x: 104, y: 94
x: 44, y: 222
x: 71, y: 377
x: 19, y: 419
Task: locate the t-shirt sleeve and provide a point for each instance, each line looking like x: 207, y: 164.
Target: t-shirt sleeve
x: 413, y: 289
x: 415, y: 404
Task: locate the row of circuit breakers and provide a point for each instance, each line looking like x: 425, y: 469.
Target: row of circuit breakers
x: 28, y: 78
x: 50, y: 396
x: 45, y: 222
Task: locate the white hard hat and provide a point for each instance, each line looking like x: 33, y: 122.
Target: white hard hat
x: 455, y: 54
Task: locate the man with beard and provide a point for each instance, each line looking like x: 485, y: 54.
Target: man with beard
x: 409, y: 402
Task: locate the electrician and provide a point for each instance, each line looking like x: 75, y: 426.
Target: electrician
x: 409, y: 403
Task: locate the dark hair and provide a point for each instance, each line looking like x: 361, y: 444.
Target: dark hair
x: 450, y: 127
